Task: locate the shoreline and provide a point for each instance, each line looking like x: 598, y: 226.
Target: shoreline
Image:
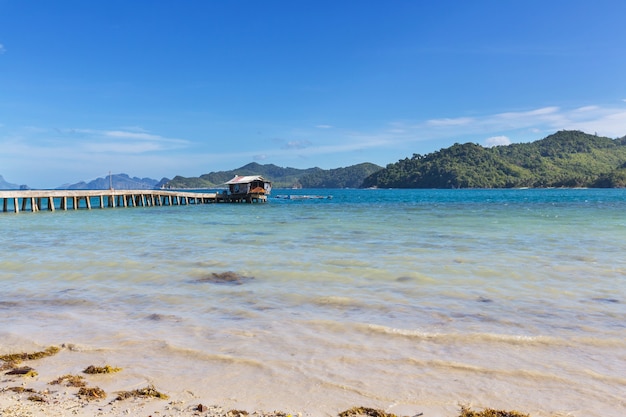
x: 35, y: 384
x: 39, y: 383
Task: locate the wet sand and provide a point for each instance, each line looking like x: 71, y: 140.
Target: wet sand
x: 47, y: 391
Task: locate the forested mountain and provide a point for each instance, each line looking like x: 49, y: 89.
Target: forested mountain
x: 350, y: 177
x: 283, y: 177
x: 564, y: 159
x: 118, y: 181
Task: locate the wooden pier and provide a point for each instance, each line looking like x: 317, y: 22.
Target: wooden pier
x: 51, y: 200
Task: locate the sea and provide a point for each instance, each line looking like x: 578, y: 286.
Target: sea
x: 410, y: 301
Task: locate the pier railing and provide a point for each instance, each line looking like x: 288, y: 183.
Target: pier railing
x: 51, y: 200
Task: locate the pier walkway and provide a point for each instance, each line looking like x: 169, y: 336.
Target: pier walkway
x: 51, y: 200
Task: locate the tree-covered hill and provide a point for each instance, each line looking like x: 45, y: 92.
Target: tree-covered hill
x: 349, y: 177
x: 564, y: 159
x: 285, y: 177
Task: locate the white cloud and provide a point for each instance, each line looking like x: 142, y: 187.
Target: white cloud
x: 297, y: 144
x: 130, y: 135
x: 530, y: 113
x: 586, y: 109
x: 75, y: 154
x: 606, y: 121
x: 324, y: 126
x: 497, y: 141
x: 134, y: 129
x: 126, y: 137
x: 123, y: 148
x: 611, y: 124
x: 66, y: 156
x: 2, y: 49
x: 523, y: 119
x: 459, y: 121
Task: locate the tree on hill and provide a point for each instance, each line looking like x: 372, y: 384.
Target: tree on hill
x: 614, y: 179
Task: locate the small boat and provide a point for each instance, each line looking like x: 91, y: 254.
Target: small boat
x: 303, y: 197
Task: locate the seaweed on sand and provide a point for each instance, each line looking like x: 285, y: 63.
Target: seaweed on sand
x: 20, y: 390
x: 70, y: 381
x: 25, y: 371
x: 148, y: 391
x: 89, y: 394
x: 490, y: 412
x: 364, y: 411
x: 106, y: 369
x: 17, y: 358
x: 34, y: 395
x: 12, y: 360
x: 237, y: 413
x: 37, y: 398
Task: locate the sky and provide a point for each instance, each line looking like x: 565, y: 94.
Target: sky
x: 164, y: 88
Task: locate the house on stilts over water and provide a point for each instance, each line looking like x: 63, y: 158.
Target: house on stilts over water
x: 248, y: 189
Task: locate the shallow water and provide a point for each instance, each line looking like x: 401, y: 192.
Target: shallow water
x: 407, y: 300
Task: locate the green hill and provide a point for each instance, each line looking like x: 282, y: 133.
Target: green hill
x: 349, y: 177
x: 282, y: 176
x: 564, y: 159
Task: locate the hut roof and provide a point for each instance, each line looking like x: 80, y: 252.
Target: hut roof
x: 239, y: 179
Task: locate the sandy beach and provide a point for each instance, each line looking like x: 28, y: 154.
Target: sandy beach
x: 44, y: 383
x: 41, y: 383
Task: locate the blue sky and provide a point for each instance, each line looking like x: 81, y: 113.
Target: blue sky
x: 163, y: 88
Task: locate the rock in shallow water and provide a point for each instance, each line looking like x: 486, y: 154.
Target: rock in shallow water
x: 228, y: 277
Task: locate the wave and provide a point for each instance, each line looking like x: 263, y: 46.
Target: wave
x: 189, y: 353
x: 474, y: 369
x: 605, y: 379
x: 510, y: 339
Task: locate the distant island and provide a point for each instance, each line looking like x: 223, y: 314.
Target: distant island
x: 4, y: 185
x: 566, y: 159
x: 349, y: 177
x: 118, y: 182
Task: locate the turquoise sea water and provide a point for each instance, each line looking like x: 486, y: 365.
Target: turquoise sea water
x: 407, y: 300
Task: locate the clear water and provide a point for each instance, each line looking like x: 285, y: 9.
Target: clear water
x: 408, y: 300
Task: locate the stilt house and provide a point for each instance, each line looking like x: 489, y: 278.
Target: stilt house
x: 249, y: 188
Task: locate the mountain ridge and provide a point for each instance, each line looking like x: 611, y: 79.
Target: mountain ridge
x: 116, y: 181
x: 5, y: 185
x: 348, y: 177
x: 568, y: 158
